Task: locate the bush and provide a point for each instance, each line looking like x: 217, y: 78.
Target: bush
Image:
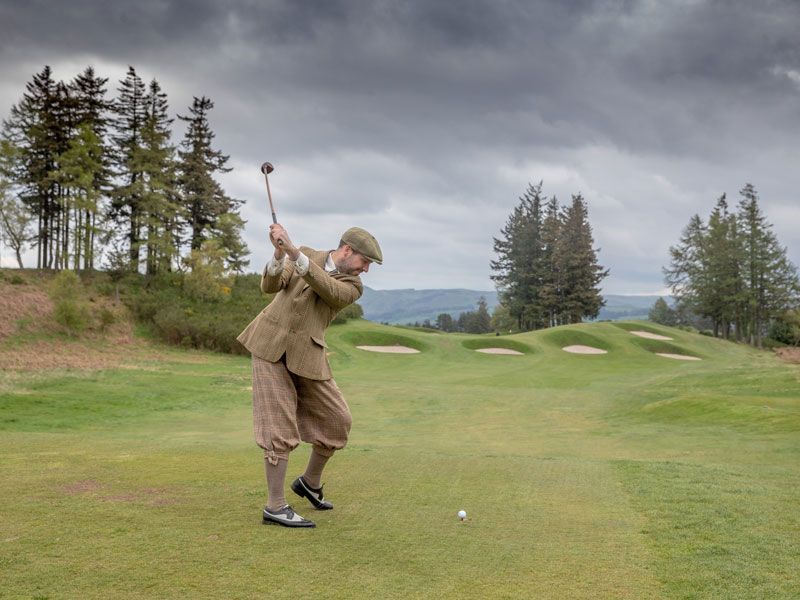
x: 107, y: 318
x: 180, y: 313
x: 353, y: 311
x: 786, y: 328
x: 771, y: 344
x: 71, y: 310
x: 72, y: 316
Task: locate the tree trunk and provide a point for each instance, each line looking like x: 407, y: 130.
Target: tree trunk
x: 87, y: 237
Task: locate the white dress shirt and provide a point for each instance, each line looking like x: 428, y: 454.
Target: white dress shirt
x: 301, y: 265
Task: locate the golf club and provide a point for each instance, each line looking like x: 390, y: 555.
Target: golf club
x: 267, y: 168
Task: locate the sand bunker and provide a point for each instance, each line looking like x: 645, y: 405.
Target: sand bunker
x: 498, y: 351
x: 389, y: 349
x: 677, y: 356
x: 578, y: 349
x: 650, y: 336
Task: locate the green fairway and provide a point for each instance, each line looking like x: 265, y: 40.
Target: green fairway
x: 622, y: 475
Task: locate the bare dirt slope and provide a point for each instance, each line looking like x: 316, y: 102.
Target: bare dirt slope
x: 31, y: 339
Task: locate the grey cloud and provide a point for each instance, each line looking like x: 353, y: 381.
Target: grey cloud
x: 427, y: 119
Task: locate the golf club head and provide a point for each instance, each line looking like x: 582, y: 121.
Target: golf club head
x: 267, y: 168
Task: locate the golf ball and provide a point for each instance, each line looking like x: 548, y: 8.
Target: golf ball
x: 462, y: 514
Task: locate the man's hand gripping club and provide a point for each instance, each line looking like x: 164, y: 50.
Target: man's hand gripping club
x: 279, y: 238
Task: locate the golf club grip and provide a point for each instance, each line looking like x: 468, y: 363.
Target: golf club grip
x: 275, y: 222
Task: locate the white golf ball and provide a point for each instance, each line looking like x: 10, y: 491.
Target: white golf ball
x: 462, y: 514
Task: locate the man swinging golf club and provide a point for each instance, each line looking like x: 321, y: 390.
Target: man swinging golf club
x: 294, y: 395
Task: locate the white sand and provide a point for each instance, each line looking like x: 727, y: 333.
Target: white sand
x: 578, y: 349
x: 677, y: 356
x: 389, y: 349
x: 650, y: 336
x: 498, y: 351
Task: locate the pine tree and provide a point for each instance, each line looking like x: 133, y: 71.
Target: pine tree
x: 80, y: 168
x: 130, y: 115
x: 33, y: 129
x: 160, y: 204
x: 661, y: 313
x: 482, y: 322
x: 685, y: 274
x: 551, y: 291
x: 519, y: 262
x: 733, y: 272
x: 445, y: 322
x: 205, y: 202
x: 772, y: 281
x: 93, y: 109
x: 722, y: 269
x: 578, y: 262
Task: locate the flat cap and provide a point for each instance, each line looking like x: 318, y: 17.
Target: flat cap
x: 363, y: 242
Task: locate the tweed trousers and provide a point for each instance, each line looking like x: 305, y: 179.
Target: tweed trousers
x: 288, y: 408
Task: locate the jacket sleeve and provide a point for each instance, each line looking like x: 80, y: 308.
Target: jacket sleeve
x: 270, y: 284
x: 336, y: 291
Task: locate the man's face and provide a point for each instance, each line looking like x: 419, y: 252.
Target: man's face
x: 353, y: 263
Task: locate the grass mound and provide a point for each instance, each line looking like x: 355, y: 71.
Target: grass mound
x: 629, y: 326
x: 561, y: 337
x: 496, y: 342
x: 382, y: 338
x: 662, y: 347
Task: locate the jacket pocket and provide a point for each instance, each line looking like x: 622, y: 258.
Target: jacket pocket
x: 319, y: 341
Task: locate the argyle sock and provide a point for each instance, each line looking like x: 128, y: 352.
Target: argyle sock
x: 313, y: 474
x: 276, y: 480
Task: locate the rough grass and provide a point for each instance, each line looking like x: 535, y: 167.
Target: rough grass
x: 627, y: 476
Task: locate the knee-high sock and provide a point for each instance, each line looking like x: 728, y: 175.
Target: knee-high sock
x: 313, y: 474
x: 276, y: 481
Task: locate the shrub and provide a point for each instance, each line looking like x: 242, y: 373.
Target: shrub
x: 72, y: 316
x: 107, y: 318
x: 71, y: 310
x: 354, y: 311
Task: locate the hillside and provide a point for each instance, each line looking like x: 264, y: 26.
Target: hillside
x: 411, y: 305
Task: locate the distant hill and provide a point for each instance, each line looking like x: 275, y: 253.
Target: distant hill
x: 410, y: 305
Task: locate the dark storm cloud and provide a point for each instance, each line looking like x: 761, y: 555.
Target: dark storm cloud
x: 425, y: 120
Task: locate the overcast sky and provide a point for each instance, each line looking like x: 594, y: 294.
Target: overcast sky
x: 423, y: 121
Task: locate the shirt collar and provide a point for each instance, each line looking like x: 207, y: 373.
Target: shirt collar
x: 329, y: 264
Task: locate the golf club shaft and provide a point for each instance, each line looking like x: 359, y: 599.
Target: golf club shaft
x: 271, y: 206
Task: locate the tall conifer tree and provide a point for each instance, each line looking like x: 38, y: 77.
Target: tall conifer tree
x: 32, y: 129
x: 581, y: 271
x: 160, y: 204
x: 205, y: 202
x: 130, y: 115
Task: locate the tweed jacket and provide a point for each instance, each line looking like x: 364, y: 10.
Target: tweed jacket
x: 295, y: 321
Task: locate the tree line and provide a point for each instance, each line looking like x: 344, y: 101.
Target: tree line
x: 547, y: 271
x: 470, y: 321
x: 732, y: 271
x: 84, y: 176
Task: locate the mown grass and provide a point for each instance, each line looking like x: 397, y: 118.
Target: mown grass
x: 496, y: 342
x: 661, y: 346
x: 625, y: 475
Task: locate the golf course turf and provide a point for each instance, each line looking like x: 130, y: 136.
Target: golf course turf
x: 624, y: 475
